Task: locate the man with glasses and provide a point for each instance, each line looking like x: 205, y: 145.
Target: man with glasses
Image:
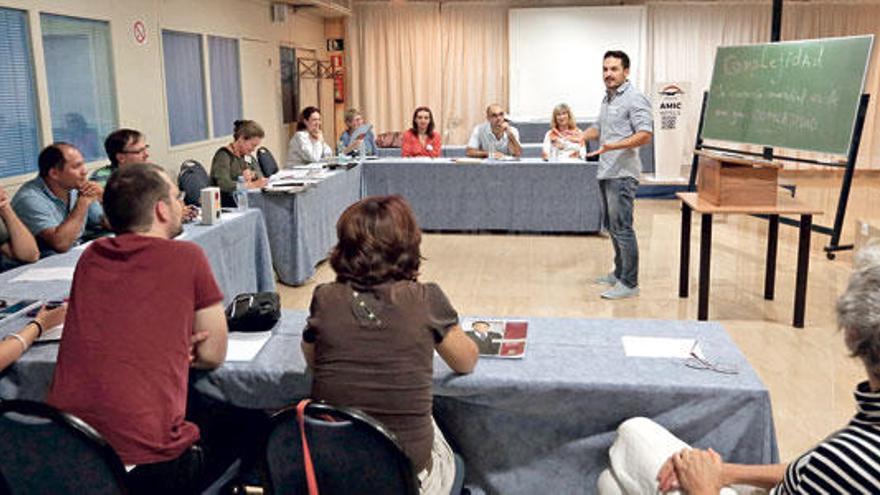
x: 495, y: 136
x: 60, y: 203
x: 123, y: 146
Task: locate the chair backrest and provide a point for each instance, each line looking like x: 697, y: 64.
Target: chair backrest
x: 191, y: 179
x: 47, y: 451
x: 267, y: 162
x: 351, y: 452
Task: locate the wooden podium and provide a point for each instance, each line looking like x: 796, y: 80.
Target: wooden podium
x: 730, y: 180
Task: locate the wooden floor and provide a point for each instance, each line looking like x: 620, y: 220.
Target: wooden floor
x: 808, y: 371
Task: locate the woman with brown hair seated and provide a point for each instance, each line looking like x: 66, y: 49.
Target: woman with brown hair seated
x: 371, y: 334
x: 234, y: 160
x: 422, y: 139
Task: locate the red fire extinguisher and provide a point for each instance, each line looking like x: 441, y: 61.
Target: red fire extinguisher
x: 338, y: 79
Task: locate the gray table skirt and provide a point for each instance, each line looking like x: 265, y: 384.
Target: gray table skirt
x: 527, y: 196
x: 237, y: 249
x: 542, y: 424
x: 529, y: 150
x: 302, y: 226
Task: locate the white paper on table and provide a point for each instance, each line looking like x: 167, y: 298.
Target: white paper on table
x: 660, y: 347
x: 231, y: 215
x: 244, y: 346
x: 82, y: 246
x: 46, y: 274
x: 53, y: 334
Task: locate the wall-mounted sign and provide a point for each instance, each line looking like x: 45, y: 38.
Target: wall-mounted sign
x: 139, y: 32
x: 335, y: 45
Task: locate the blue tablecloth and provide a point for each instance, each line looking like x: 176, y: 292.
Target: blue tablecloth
x: 529, y: 150
x: 302, y: 226
x: 543, y: 424
x: 528, y: 195
x: 237, y: 249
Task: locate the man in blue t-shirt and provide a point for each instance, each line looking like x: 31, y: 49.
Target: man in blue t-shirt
x: 60, y: 204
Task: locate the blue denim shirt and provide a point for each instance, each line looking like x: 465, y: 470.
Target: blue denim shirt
x: 369, y: 143
x: 624, y: 112
x: 39, y: 209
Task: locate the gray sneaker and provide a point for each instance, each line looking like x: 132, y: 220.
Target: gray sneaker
x: 620, y: 291
x: 608, y: 279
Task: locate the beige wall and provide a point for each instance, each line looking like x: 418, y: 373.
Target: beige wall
x: 139, y: 79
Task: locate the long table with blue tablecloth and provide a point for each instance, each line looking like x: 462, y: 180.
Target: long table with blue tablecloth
x: 524, y: 196
x: 540, y: 424
x: 237, y: 249
x: 302, y: 226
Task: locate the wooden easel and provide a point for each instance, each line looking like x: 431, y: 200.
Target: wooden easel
x: 849, y: 169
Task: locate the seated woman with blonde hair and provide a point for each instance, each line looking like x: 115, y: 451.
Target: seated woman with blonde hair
x: 371, y: 335
x: 646, y: 458
x: 563, y: 140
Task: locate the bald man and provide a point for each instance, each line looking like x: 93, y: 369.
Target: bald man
x: 495, y: 134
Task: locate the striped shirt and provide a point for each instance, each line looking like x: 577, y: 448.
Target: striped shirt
x: 847, y: 461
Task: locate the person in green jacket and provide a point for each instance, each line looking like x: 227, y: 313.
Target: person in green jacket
x: 234, y: 160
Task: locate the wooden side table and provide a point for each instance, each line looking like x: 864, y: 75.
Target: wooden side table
x: 784, y: 206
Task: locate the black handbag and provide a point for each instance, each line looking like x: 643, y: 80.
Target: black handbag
x: 253, y: 312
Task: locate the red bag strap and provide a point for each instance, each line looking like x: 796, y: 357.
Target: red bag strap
x: 311, y: 480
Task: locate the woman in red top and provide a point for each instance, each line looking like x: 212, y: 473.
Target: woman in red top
x: 421, y: 140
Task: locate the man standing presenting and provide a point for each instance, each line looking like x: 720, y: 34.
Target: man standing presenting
x: 143, y: 309
x: 624, y: 124
x: 59, y: 204
x: 494, y: 134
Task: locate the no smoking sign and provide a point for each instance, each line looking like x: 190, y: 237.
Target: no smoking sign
x: 139, y: 32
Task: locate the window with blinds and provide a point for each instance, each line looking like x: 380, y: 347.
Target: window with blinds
x: 19, y: 125
x: 79, y: 74
x: 225, y: 84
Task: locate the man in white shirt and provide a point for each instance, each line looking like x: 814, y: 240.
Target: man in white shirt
x: 495, y: 134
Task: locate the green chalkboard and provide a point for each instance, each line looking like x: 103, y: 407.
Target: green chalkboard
x: 801, y: 94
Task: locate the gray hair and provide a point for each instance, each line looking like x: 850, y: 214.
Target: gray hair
x: 868, y: 255
x: 858, y: 309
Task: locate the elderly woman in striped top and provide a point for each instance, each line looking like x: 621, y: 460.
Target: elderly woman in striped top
x: 847, y: 461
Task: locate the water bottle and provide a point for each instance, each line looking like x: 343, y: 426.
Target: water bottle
x: 241, y: 198
x: 362, y: 151
x: 491, y: 157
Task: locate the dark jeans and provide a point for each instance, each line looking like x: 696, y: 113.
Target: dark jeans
x: 227, y: 433
x: 618, y: 196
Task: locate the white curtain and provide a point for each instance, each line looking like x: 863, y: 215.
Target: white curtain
x: 394, y: 61
x: 474, y: 64
x: 682, y: 38
x: 452, y: 56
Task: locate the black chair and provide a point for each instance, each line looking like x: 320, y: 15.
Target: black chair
x: 351, y: 452
x: 267, y: 162
x: 45, y: 450
x: 191, y: 179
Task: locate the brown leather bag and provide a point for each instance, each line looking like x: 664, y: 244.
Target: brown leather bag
x: 389, y: 139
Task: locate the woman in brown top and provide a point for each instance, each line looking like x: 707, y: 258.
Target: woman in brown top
x: 371, y: 334
x: 231, y: 161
